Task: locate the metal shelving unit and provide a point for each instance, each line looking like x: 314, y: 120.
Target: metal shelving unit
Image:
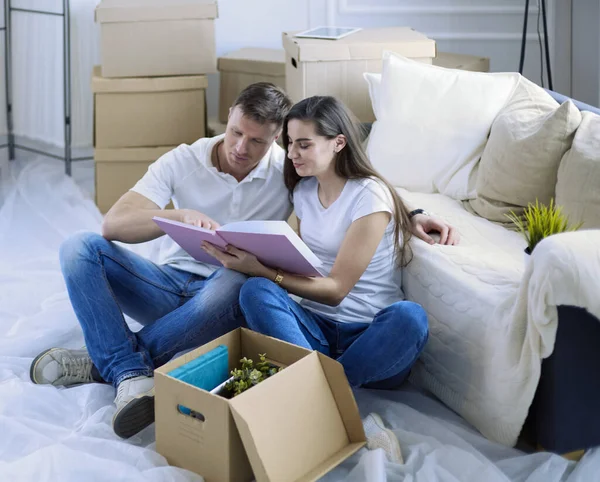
x: 67, y: 153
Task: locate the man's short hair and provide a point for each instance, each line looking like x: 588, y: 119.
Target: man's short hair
x: 264, y: 102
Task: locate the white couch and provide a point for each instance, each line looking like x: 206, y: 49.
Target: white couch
x: 493, y: 316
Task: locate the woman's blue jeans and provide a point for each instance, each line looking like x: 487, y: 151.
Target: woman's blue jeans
x: 379, y: 354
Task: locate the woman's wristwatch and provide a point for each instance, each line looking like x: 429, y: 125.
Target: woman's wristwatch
x: 278, y: 277
x: 417, y: 211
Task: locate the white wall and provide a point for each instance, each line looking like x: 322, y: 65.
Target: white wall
x: 491, y: 28
x: 481, y: 27
x: 586, y: 51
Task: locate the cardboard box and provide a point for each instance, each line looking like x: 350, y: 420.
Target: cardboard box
x: 462, y: 62
x: 293, y: 222
x: 148, y: 112
x: 336, y: 67
x: 117, y: 171
x: 246, y: 66
x: 215, y: 128
x: 140, y: 38
x: 296, y: 425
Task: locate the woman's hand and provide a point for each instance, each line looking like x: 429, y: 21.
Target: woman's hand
x: 422, y: 225
x: 238, y: 260
x: 191, y: 216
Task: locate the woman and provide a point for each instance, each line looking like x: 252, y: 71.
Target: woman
x: 357, y: 225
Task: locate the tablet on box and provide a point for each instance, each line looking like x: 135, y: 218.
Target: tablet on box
x: 330, y: 33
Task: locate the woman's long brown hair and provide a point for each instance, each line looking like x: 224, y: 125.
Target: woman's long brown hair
x: 331, y: 118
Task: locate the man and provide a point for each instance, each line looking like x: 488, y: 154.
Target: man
x: 180, y: 303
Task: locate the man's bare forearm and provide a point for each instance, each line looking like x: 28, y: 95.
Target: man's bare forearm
x: 130, y: 225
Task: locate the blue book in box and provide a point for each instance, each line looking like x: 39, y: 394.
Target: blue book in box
x: 205, y: 372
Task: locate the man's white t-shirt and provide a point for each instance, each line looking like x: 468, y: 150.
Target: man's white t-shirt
x: 187, y: 176
x: 324, y: 229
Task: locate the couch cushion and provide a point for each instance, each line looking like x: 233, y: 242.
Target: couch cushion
x: 521, y: 158
x: 432, y: 124
x: 578, y: 184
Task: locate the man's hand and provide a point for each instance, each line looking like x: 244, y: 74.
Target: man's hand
x: 238, y: 260
x: 190, y: 216
x: 422, y: 224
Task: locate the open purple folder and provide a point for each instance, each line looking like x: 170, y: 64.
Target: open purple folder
x: 274, y: 243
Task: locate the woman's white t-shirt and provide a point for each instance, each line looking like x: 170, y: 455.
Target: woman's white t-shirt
x: 324, y: 229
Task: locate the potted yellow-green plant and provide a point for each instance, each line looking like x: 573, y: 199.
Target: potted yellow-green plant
x: 540, y: 221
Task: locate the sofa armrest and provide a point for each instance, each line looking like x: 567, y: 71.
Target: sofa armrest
x: 564, y: 270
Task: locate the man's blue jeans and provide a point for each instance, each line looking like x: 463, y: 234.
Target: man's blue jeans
x: 179, y: 310
x: 374, y: 355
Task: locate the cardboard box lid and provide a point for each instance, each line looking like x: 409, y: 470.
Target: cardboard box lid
x: 114, y: 11
x: 147, y: 84
x: 131, y: 154
x: 254, y: 61
x: 368, y: 43
x: 300, y: 423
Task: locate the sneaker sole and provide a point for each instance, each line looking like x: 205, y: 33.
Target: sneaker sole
x: 397, y: 451
x: 135, y: 416
x: 34, y: 364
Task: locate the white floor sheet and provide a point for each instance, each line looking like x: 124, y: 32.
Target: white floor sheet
x: 50, y: 434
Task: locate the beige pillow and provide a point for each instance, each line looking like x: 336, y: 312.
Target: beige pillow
x: 520, y: 161
x: 578, y: 185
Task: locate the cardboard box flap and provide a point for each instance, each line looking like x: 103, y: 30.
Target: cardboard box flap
x: 254, y: 343
x: 113, y: 11
x: 344, y: 397
x: 309, y: 443
x: 254, y: 61
x: 331, y: 463
x: 147, y: 84
x: 131, y: 154
x: 364, y: 44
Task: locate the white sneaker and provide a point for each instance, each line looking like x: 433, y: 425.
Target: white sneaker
x: 135, y: 406
x: 380, y: 437
x: 61, y: 367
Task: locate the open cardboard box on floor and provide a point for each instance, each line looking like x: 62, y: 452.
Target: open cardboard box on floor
x: 296, y: 425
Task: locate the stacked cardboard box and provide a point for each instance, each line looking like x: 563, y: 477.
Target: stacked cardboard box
x: 336, y: 67
x: 473, y: 63
x: 150, y: 89
x: 246, y: 66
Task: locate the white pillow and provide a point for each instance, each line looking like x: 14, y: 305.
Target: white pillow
x: 374, y: 83
x: 432, y: 124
